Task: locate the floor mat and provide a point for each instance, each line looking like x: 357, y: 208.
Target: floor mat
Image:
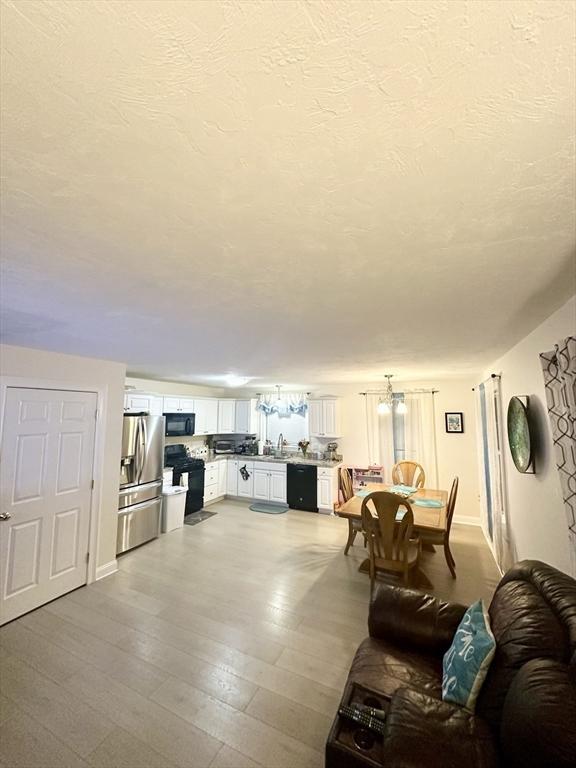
x: 269, y: 509
x: 198, y: 517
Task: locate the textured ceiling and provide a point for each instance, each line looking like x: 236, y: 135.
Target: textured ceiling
x: 298, y: 191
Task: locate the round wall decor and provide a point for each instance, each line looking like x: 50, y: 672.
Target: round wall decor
x: 519, y: 434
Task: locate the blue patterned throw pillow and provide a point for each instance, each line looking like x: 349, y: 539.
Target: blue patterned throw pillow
x: 468, y: 659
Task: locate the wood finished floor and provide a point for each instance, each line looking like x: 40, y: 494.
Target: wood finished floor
x: 223, y: 645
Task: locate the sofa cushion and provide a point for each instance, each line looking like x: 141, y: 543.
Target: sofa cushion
x: 467, y: 660
x: 539, y: 716
x: 384, y: 667
x: 525, y: 627
x: 423, y: 731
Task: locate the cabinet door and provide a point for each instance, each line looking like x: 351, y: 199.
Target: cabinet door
x: 242, y: 417
x: 278, y: 487
x: 261, y: 488
x: 226, y: 411
x: 187, y: 405
x: 232, y: 478
x: 201, y: 411
x: 315, y: 417
x: 325, y: 492
x: 211, y: 411
x: 330, y: 427
x: 171, y: 405
x: 138, y: 403
x: 246, y: 487
x: 222, y: 477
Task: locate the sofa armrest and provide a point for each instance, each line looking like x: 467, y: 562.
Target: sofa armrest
x: 423, y: 731
x: 408, y: 617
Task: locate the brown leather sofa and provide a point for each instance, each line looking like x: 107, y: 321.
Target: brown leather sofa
x: 526, y: 713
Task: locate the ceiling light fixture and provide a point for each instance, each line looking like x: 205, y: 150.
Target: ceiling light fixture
x: 232, y: 380
x: 386, y: 401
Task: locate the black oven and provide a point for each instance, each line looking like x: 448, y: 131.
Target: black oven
x: 179, y: 424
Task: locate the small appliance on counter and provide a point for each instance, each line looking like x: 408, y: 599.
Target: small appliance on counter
x: 176, y: 456
x: 248, y: 447
x: 331, y: 453
x: 224, y: 446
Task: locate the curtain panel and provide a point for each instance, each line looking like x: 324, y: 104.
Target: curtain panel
x: 492, y: 496
x: 419, y: 428
x: 559, y: 370
x: 288, y: 403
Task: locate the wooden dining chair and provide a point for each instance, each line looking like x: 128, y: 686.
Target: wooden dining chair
x: 390, y: 545
x: 408, y: 473
x: 347, y: 491
x: 443, y: 537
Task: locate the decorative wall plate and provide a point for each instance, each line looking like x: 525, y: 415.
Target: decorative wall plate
x: 519, y: 434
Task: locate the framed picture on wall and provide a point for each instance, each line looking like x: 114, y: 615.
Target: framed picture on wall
x: 454, y: 422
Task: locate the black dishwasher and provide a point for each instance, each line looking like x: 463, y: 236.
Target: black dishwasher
x: 301, y: 489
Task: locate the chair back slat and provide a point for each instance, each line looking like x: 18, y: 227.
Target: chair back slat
x: 408, y: 473
x: 451, y: 504
x: 390, y: 538
x: 345, y: 482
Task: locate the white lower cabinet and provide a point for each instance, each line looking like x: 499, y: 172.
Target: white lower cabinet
x: 222, y: 476
x: 211, y: 490
x: 270, y: 482
x: 327, y: 489
x: 232, y: 477
x: 261, y: 484
x: 246, y: 479
x: 278, y: 487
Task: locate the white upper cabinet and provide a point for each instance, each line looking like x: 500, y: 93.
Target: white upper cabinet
x: 324, y: 417
x: 226, y: 416
x: 136, y: 403
x: 246, y: 419
x: 178, y: 405
x: 206, y: 410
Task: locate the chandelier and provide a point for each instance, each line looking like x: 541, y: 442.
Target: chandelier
x: 387, y: 402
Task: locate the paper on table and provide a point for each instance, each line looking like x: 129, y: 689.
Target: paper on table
x: 427, y: 502
x: 403, y: 488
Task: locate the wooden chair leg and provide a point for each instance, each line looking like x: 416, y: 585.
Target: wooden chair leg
x: 351, y: 536
x: 450, y: 560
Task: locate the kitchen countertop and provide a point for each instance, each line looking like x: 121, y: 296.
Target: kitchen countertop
x: 283, y: 460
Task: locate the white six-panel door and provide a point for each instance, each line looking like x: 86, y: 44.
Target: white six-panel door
x: 47, y: 452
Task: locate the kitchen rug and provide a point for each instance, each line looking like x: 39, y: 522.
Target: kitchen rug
x: 198, y: 517
x: 269, y: 509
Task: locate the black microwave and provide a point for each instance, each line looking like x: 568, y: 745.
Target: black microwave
x: 179, y: 424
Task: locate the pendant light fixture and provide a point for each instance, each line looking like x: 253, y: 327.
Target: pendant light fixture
x: 279, y: 402
x: 386, y: 401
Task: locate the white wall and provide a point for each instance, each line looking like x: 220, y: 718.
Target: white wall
x: 536, y: 519
x: 89, y: 374
x: 456, y: 453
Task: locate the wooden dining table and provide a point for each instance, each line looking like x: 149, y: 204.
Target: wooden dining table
x: 425, y: 518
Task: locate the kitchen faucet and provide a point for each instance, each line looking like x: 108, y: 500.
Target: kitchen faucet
x: 280, y: 444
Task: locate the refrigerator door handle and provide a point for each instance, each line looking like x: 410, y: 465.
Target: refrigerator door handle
x: 144, y: 446
x: 137, y: 452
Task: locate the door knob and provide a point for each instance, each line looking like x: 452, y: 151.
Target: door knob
x: 5, y: 515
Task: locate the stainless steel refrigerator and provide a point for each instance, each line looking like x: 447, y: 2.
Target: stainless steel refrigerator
x: 140, y: 498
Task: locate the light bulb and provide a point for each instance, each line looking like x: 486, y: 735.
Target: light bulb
x: 401, y: 407
x: 383, y: 408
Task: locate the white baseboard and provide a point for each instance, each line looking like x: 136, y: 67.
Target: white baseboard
x: 466, y: 520
x: 106, y: 570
